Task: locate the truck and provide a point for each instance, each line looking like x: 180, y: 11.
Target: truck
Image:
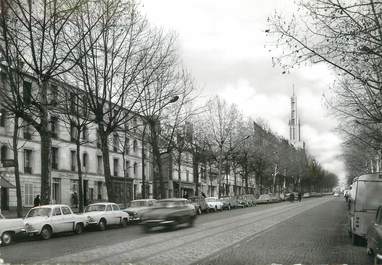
x: 364, y: 200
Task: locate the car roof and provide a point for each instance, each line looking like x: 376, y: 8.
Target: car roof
x: 51, y: 205
x: 103, y: 203
x: 143, y: 200
x: 173, y: 199
x: 374, y: 177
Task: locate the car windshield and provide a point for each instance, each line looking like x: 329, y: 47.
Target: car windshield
x: 169, y: 204
x: 39, y: 212
x: 210, y: 199
x: 138, y: 203
x: 95, y: 208
x: 368, y: 195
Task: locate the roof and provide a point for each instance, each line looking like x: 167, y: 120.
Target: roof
x: 50, y: 205
x: 103, y: 203
x: 143, y: 200
x: 6, y: 184
x: 370, y: 177
x: 173, y: 199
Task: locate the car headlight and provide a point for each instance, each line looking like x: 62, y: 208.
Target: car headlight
x: 28, y: 227
x: 90, y: 219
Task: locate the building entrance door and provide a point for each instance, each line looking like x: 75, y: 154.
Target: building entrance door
x: 86, y: 188
x: 4, y: 199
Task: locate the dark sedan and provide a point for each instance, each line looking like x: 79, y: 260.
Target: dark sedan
x: 169, y: 213
x: 374, y: 238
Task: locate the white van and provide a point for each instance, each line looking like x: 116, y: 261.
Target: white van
x: 365, y: 198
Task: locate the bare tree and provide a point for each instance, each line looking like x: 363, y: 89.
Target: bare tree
x: 37, y: 39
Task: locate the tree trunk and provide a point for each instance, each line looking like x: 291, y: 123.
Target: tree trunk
x: 220, y: 172
x: 46, y: 146
x: 159, y: 187
x: 17, y: 169
x: 179, y: 162
x: 144, y: 189
x: 79, y: 171
x: 195, y: 166
x: 106, y: 164
x: 235, y: 182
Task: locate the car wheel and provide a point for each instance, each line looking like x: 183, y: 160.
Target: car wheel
x: 102, y: 225
x: 6, y: 238
x: 173, y: 225
x: 369, y: 251
x: 46, y: 232
x: 191, y: 221
x: 124, y: 222
x: 146, y: 228
x: 79, y: 228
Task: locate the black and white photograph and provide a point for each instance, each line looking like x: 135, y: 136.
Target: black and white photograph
x: 191, y: 132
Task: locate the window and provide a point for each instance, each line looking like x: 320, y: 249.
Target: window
x: 27, y: 161
x: 57, y: 211
x: 54, y: 158
x: 115, y: 167
x: 98, y: 140
x: 27, y: 92
x: 73, y: 99
x: 54, y: 126
x: 85, y: 160
x: 115, y: 207
x: 73, y: 160
x: 99, y: 190
x: 99, y: 164
x: 74, y: 184
x: 127, y: 146
x: 115, y: 142
x: 73, y: 132
x: 27, y: 131
x: 66, y: 210
x: 85, y: 134
x: 108, y: 208
x: 28, y: 194
x: 135, y: 169
x: 187, y: 176
x: 135, y: 145
x: 4, y: 152
x: 127, y: 169
x: 3, y: 114
x: 54, y: 94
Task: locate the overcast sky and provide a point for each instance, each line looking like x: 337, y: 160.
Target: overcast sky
x: 222, y: 43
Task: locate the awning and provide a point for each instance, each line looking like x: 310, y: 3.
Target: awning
x: 6, y: 184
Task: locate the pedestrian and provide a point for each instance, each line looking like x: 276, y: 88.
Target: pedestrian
x: 299, y: 196
x: 36, y: 201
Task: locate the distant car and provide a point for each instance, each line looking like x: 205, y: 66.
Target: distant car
x: 229, y: 202
x: 136, y: 208
x: 374, y: 238
x: 306, y: 195
x: 169, y: 213
x: 9, y: 228
x: 199, y: 203
x: 50, y: 219
x: 336, y: 194
x: 264, y: 198
x: 103, y: 214
x: 247, y: 200
x: 214, y: 204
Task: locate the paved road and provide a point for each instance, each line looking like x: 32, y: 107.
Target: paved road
x: 315, y: 229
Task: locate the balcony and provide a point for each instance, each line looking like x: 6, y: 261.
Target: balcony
x: 28, y: 170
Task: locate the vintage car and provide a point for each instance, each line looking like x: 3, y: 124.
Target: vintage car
x: 136, y: 208
x: 54, y: 218
x: 214, y: 204
x: 9, y: 228
x: 374, y: 238
x: 169, y: 213
x: 199, y: 203
x: 247, y: 200
x: 229, y: 202
x: 102, y: 214
x: 264, y: 198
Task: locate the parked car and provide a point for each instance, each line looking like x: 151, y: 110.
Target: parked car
x: 199, y: 203
x: 229, y: 202
x: 137, y: 207
x: 9, y: 228
x: 374, y: 238
x: 306, y: 195
x: 102, y: 214
x: 50, y: 219
x: 264, y: 198
x: 336, y: 194
x: 169, y: 213
x: 214, y: 204
x: 246, y: 200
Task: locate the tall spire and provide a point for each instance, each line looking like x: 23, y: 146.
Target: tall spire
x: 294, y: 123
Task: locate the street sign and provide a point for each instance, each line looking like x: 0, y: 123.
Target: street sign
x: 8, y: 162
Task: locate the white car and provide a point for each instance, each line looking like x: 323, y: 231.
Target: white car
x: 9, y: 228
x: 103, y: 214
x: 214, y: 204
x: 138, y: 207
x: 46, y: 220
